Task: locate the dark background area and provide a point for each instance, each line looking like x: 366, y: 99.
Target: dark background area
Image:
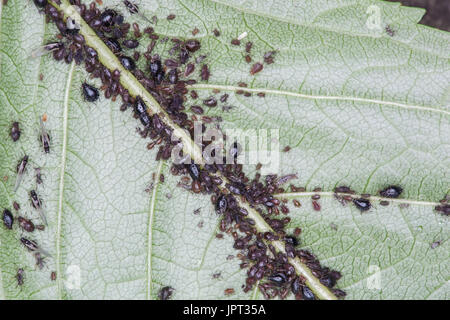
x: 438, y: 12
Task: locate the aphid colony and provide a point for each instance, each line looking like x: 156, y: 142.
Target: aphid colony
x: 163, y: 79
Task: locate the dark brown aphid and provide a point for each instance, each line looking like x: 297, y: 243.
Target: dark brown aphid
x: 316, y: 205
x: 216, y: 33
x: 15, y: 131
x: 192, y: 45
x: 173, y: 76
x: 21, y: 167
x: 235, y: 42
x: 8, y: 219
x: 287, y: 149
x: 210, y: 102
x: 44, y: 137
x: 113, y: 44
x: 391, y: 192
x: 257, y: 67
x: 248, y: 59
x: 362, y: 204
x: 165, y: 293
x: 204, y: 74
x: 297, y: 203
x: 16, y: 206
x: 189, y: 69
x: 171, y: 17
x: 90, y: 93
x: 53, y: 276
x: 20, y: 275
x: 130, y: 43
x: 26, y: 224
x: 435, y: 244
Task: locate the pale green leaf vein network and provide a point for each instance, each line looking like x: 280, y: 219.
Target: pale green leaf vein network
x: 61, y: 177
x: 321, y: 97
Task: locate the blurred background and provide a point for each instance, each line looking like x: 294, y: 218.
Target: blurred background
x: 438, y: 12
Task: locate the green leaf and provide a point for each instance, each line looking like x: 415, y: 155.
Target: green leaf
x: 357, y: 107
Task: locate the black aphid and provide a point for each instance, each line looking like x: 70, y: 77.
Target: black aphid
x: 127, y: 62
x: 141, y: 110
x: 113, y: 44
x: 108, y: 17
x: 20, y: 171
x: 194, y: 171
x: 308, y: 294
x: 8, y: 219
x: 130, y: 43
x: 29, y: 244
x: 156, y: 68
x: 173, y: 76
x: 165, y: 293
x: 221, y: 204
x: 278, y: 278
x: 132, y: 8
x: 291, y: 240
x: 44, y: 137
x: 36, y: 203
x: 15, y: 131
x: 20, y: 275
x: 40, y: 3
x: 90, y: 93
x: 362, y: 204
x: 391, y: 192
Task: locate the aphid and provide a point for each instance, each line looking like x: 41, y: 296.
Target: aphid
x: 390, y: 32
x: 291, y: 240
x: 32, y: 246
x: 36, y: 203
x: 435, y: 244
x: 127, y: 62
x: 38, y: 175
x: 108, y: 17
x: 40, y: 227
x: 278, y: 278
x: 391, y: 192
x: 316, y: 205
x: 297, y: 203
x: 362, y: 204
x: 189, y: 69
x: 20, y: 275
x: 229, y: 291
x: 257, y: 67
x: 192, y: 45
x: 195, y: 31
x: 90, y: 93
x: 173, y: 76
x: 72, y: 26
x: 8, y: 219
x: 221, y: 204
x: 171, y: 17
x: 204, y: 74
x: 141, y: 110
x: 113, y: 44
x: 235, y: 42
x: 197, y: 109
x: 26, y: 224
x: 131, y: 43
x: 40, y: 3
x: 268, y: 57
x: 53, y: 276
x: 165, y: 293
x: 15, y: 131
x: 194, y: 171
x: 308, y: 294
x: 210, y: 102
x: 44, y: 137
x: 20, y: 171
x: 49, y: 47
x: 216, y: 33
x: 16, y: 206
